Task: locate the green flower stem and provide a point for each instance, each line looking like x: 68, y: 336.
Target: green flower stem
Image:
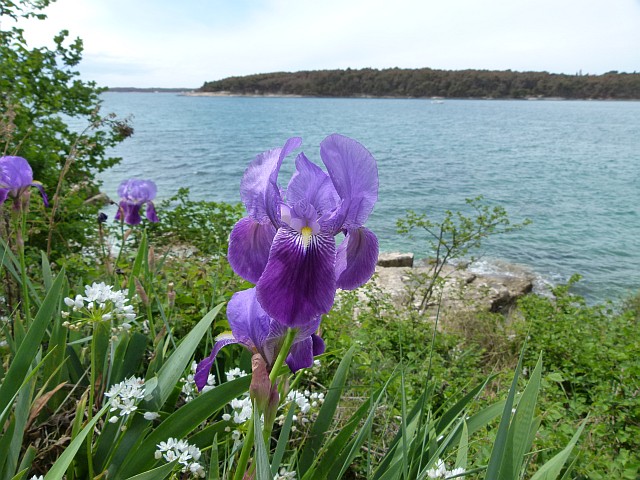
x: 92, y: 386
x: 284, y: 351
x: 246, y: 451
x: 248, y: 441
x: 122, y: 244
x: 20, y: 235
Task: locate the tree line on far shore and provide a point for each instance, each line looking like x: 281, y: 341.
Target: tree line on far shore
x: 426, y: 82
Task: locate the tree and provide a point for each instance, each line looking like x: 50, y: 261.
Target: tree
x: 40, y: 90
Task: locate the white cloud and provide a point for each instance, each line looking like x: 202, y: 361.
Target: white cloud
x: 146, y: 43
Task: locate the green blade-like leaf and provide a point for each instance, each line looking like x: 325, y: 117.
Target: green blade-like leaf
x: 27, y: 351
x: 283, y: 438
x: 172, y: 370
x: 325, y: 416
x: 551, y: 469
x: 47, y: 276
x: 520, y: 429
x: 141, y: 258
x: 12, y: 264
x: 158, y: 473
x: 499, y: 445
x: 347, y: 457
x: 324, y: 461
x: 463, y: 448
x: 59, y: 468
x: 263, y: 469
x: 213, y: 464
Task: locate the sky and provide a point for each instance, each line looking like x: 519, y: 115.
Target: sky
x: 183, y: 43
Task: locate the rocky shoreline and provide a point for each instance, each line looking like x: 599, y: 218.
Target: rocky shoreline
x: 397, y: 275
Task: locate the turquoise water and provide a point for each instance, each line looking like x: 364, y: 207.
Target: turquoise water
x: 573, y: 168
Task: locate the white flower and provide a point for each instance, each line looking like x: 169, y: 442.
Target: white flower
x: 187, y: 455
x: 125, y: 395
x: 39, y: 477
x: 189, y: 389
x: 151, y: 415
x: 101, y: 303
x: 440, y: 471
x: 284, y: 474
x: 235, y: 373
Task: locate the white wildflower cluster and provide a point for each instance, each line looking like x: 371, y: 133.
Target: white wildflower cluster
x: 186, y: 455
x: 308, y: 402
x: 241, y: 409
x: 40, y: 477
x: 284, y: 474
x: 235, y: 373
x: 125, y: 396
x: 440, y: 471
x: 189, y: 389
x: 100, y: 303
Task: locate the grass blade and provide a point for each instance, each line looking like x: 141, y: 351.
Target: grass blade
x: 325, y: 416
x: 27, y: 351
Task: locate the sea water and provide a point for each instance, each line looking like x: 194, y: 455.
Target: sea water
x: 571, y: 167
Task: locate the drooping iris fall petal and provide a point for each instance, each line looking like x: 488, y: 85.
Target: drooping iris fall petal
x: 298, y: 283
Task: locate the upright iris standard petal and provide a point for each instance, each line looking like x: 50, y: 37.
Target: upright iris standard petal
x: 310, y: 185
x: 298, y: 283
x: 356, y: 258
x: 259, y: 189
x: 16, y: 177
x: 134, y: 193
x: 354, y: 174
x: 249, y: 245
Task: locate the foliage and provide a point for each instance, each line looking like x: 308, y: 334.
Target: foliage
x: 41, y: 95
x: 452, y: 239
x: 427, y: 82
x: 201, y: 224
x: 591, y: 369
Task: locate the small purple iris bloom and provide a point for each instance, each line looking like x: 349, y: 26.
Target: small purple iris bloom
x: 253, y: 328
x: 16, y: 177
x: 133, y: 194
x: 286, y: 245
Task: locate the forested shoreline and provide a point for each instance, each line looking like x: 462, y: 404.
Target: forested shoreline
x: 426, y: 83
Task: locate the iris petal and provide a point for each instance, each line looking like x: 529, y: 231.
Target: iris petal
x: 3, y: 195
x: 356, y: 258
x: 152, y: 216
x: 258, y: 188
x: 248, y: 321
x: 301, y: 355
x: 309, y: 184
x: 298, y: 283
x: 354, y: 174
x: 131, y: 213
x: 249, y: 246
x: 204, y: 367
x: 318, y: 345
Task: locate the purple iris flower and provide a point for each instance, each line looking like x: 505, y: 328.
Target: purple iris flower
x: 286, y: 245
x: 16, y: 177
x: 253, y: 328
x: 133, y: 194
